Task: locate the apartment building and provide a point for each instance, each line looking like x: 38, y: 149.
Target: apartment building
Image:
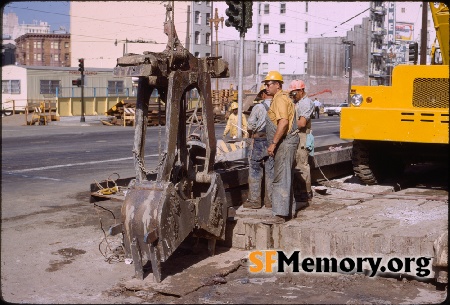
x: 43, y: 50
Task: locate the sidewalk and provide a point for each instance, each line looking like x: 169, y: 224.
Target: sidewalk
x: 90, y: 120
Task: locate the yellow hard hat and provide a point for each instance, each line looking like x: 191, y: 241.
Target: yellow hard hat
x: 261, y: 91
x: 234, y: 106
x: 273, y: 75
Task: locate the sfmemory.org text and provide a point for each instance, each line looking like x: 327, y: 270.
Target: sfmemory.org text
x: 276, y: 261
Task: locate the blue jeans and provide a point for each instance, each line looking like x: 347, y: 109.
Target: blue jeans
x: 260, y: 168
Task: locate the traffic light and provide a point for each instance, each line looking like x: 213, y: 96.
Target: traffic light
x: 239, y: 15
x: 81, y: 65
x: 76, y: 82
x: 413, y: 52
x: 248, y: 14
x: 235, y: 12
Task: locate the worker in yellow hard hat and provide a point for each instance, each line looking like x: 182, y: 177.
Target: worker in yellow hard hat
x: 260, y: 163
x: 232, y: 123
x: 282, y: 138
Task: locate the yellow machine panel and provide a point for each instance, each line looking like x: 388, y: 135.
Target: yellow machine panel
x: 414, y: 109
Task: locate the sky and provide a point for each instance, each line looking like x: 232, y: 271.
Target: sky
x: 55, y: 13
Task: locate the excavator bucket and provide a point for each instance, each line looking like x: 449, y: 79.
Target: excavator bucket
x: 187, y: 196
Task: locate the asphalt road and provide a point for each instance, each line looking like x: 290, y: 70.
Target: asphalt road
x: 73, y: 157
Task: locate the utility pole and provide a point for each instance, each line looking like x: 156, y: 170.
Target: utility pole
x: 350, y: 45
x: 423, y: 35
x: 240, y: 17
x: 216, y: 21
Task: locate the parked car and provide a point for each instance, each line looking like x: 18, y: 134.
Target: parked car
x: 330, y: 111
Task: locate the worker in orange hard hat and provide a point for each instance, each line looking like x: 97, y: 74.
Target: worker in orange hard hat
x: 232, y: 123
x: 302, y: 173
x: 260, y: 163
x: 283, y: 141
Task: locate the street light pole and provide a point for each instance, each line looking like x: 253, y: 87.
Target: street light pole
x: 216, y: 21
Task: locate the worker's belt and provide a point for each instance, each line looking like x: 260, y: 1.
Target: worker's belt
x: 259, y: 135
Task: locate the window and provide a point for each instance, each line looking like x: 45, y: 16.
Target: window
x: 281, y: 66
x: 197, y: 17
x: 56, y: 57
x: 265, y: 48
x: 208, y: 16
x: 115, y: 86
x: 266, y: 9
x: 11, y: 86
x: 208, y: 39
x: 208, y: 54
x: 66, y: 57
x: 259, y: 8
x: 282, y: 28
x: 197, y: 54
x: 259, y: 28
x: 37, y: 45
x: 37, y: 56
x: 403, y: 10
x: 197, y: 37
x: 265, y: 67
x: 208, y: 3
x: 282, y: 8
x: 66, y: 45
x: 282, y: 48
x: 305, y: 64
x: 306, y: 7
x: 306, y: 26
x: 306, y: 47
x: 49, y: 86
x: 54, y: 45
x: 266, y: 29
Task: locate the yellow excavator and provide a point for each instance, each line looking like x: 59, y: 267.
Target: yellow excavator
x: 407, y: 122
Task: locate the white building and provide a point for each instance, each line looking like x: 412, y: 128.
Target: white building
x: 12, y: 29
x: 122, y: 27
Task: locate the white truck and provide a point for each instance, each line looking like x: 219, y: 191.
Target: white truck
x: 330, y: 111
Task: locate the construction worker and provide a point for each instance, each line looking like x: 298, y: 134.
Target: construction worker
x: 283, y: 141
x: 260, y: 164
x: 232, y: 123
x: 317, y: 105
x: 302, y: 172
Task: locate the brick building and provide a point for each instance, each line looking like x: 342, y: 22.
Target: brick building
x: 34, y: 49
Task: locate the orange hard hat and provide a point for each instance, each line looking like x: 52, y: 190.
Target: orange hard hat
x: 297, y: 85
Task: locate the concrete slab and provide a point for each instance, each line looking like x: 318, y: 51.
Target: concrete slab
x: 352, y: 220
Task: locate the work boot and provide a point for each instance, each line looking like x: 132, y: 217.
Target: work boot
x: 274, y: 219
x: 251, y: 205
x: 310, y: 197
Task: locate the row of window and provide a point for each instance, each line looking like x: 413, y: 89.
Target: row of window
x: 282, y: 47
x: 39, y: 57
x: 51, y: 86
x: 282, y: 28
x: 264, y: 68
x: 198, y: 39
x: 265, y: 8
x: 38, y: 31
x: 53, y: 45
x: 198, y: 18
